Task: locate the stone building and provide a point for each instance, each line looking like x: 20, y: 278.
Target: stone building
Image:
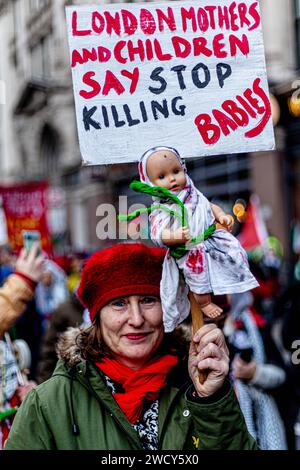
x: 39, y: 136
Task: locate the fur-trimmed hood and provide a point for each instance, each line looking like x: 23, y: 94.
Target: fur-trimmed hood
x: 67, y: 348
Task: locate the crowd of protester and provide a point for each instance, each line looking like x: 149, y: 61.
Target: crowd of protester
x: 38, y: 302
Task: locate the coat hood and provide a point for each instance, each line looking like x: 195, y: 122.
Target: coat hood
x: 67, y: 348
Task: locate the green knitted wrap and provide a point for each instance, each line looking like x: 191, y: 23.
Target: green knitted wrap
x: 7, y: 413
x: 163, y: 193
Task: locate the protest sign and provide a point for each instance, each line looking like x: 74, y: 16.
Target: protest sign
x: 25, y: 208
x: 187, y: 74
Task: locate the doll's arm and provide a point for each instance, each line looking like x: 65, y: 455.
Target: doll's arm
x: 221, y: 217
x: 176, y: 237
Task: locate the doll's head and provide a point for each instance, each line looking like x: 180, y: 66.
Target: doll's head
x: 162, y: 166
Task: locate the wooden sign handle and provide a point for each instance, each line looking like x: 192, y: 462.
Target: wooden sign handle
x: 197, y: 321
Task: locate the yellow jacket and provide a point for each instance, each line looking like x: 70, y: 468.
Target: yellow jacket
x: 14, y: 295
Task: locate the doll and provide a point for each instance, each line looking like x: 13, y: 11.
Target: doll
x: 218, y: 264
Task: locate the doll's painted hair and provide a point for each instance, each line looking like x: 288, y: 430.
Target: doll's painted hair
x: 142, y: 167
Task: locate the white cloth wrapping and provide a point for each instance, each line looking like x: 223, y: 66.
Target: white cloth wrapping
x: 218, y: 264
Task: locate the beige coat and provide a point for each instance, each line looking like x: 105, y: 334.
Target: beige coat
x: 14, y: 295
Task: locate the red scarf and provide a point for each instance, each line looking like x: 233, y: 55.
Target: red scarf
x: 145, y: 383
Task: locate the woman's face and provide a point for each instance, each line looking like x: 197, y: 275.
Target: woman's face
x: 132, y: 328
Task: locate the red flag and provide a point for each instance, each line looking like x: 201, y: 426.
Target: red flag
x: 254, y: 231
x: 25, y: 208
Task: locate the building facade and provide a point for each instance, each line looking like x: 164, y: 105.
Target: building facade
x: 39, y: 136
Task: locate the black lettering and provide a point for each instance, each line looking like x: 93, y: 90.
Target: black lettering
x: 143, y: 111
x: 87, y: 118
x: 105, y: 116
x: 223, y: 71
x: 156, y: 77
x: 131, y: 122
x: 116, y: 117
x: 180, y: 110
x: 162, y: 108
x: 195, y: 76
x: 179, y: 69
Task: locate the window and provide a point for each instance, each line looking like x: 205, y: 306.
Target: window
x: 298, y: 29
x: 40, y: 58
x: 36, y: 5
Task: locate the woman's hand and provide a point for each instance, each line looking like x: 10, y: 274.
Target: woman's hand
x: 243, y: 370
x: 30, y: 264
x: 209, y: 353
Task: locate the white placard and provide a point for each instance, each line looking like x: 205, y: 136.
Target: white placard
x: 190, y: 75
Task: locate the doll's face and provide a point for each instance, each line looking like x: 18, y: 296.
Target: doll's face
x: 164, y: 169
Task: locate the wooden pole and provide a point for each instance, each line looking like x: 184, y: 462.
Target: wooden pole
x: 197, y: 321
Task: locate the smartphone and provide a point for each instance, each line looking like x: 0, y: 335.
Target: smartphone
x: 29, y: 238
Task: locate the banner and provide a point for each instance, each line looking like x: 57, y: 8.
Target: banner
x: 25, y: 208
x: 186, y: 74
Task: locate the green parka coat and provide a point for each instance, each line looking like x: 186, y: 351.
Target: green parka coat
x: 74, y: 410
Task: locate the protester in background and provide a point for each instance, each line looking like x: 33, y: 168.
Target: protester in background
x: 74, y: 274
x: 6, y: 262
x: 257, y: 371
x: 29, y: 328
x: 121, y: 384
x: 51, y: 291
x: 288, y: 308
x: 68, y: 314
x: 15, y: 293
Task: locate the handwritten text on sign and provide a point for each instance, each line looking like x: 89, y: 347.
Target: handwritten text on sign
x: 187, y: 74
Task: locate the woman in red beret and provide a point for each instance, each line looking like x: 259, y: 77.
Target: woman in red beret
x: 123, y: 383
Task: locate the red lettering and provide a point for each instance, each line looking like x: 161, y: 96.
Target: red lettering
x: 96, y: 88
x: 238, y: 114
x: 211, y: 11
x: 246, y: 105
x: 253, y: 101
x: 255, y: 15
x: 98, y: 22
x: 138, y: 50
x: 168, y: 19
x: 203, y: 21
x: 223, y: 17
x: 200, y: 47
x: 218, y: 46
x: 75, y: 31
x: 242, y: 9
x: 129, y: 21
x: 159, y: 53
x: 226, y: 124
x: 76, y: 58
x: 147, y: 21
x: 267, y: 110
x: 209, y: 132
x: 233, y: 17
x: 237, y: 43
x: 133, y: 77
x: 149, y: 49
x: 188, y: 15
x: 117, y: 52
x: 112, y: 23
x: 112, y: 83
x: 104, y: 54
x: 182, y: 47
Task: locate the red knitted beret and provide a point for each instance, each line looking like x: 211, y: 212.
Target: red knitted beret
x: 124, y: 269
